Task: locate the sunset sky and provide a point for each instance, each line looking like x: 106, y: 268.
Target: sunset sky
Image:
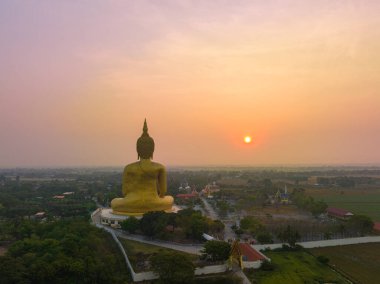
x: 77, y: 79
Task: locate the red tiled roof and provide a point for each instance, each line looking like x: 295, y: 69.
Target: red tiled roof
x: 376, y: 226
x: 250, y: 253
x: 338, y: 211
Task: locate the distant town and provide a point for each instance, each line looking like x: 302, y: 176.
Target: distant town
x: 260, y: 213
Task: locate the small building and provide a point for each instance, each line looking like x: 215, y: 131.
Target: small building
x: 251, y: 258
x: 40, y: 215
x: 339, y: 213
x: 58, y: 196
x: 246, y: 255
x: 208, y: 237
x: 68, y: 193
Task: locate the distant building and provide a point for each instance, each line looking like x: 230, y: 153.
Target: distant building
x: 313, y: 180
x: 40, y: 215
x: 338, y: 213
x: 68, y: 193
x: 58, y: 196
x: 210, y: 189
x: 281, y: 197
x: 194, y: 194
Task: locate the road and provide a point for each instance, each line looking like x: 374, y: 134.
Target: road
x: 229, y: 234
x: 209, y: 210
x: 327, y: 243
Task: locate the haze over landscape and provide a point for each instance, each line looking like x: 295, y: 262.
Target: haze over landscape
x: 77, y: 79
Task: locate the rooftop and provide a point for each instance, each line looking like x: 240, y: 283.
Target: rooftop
x: 249, y: 253
x: 338, y: 211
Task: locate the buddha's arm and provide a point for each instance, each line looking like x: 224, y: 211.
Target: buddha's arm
x: 125, y: 182
x: 162, y: 182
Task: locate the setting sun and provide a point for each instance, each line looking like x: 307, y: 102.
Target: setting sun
x: 247, y: 139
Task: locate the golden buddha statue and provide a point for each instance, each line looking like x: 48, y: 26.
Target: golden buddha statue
x: 144, y: 183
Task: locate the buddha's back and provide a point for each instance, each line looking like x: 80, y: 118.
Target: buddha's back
x: 141, y: 178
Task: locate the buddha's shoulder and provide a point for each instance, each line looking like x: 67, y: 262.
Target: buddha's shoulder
x: 132, y: 166
x: 157, y: 165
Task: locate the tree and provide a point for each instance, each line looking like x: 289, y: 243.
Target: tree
x: 251, y: 224
x: 361, y: 224
x: 289, y: 235
x: 264, y: 237
x: 217, y: 250
x: 131, y: 224
x: 152, y: 223
x: 173, y: 267
x: 323, y: 259
x: 216, y: 226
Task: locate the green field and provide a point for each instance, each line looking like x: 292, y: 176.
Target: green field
x: 361, y: 262
x: 364, y: 201
x: 138, y: 252
x: 295, y: 267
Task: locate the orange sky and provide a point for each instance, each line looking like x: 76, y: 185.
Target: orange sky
x: 78, y: 79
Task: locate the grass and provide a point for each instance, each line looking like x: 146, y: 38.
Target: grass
x: 366, y: 202
x: 294, y: 267
x: 361, y: 262
x: 138, y: 253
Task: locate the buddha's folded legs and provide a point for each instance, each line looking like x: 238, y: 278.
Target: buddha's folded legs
x: 126, y: 206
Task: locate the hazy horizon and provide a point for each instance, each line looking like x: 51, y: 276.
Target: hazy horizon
x: 78, y: 78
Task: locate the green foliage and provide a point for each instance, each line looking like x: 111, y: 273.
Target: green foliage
x: 131, y: 224
x: 360, y: 262
x: 216, y: 226
x: 173, y: 267
x: 189, y: 221
x: 266, y: 265
x: 293, y: 267
x: 361, y: 224
x: 220, y: 279
x: 223, y: 207
x: 289, y: 235
x: 217, y: 250
x: 264, y: 237
x: 323, y: 259
x: 251, y: 224
x: 63, y: 252
x: 152, y: 223
x: 307, y: 202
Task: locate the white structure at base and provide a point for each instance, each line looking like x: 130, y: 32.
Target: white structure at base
x: 110, y: 219
x: 107, y: 217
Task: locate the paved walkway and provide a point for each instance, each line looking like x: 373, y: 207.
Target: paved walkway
x: 327, y: 243
x: 191, y: 248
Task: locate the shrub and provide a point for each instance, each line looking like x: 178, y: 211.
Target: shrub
x: 323, y: 259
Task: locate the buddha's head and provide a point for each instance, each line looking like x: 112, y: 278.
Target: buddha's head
x: 145, y: 144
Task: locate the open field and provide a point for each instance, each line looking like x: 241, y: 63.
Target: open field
x: 138, y: 252
x: 361, y: 262
x: 293, y: 268
x: 361, y: 201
